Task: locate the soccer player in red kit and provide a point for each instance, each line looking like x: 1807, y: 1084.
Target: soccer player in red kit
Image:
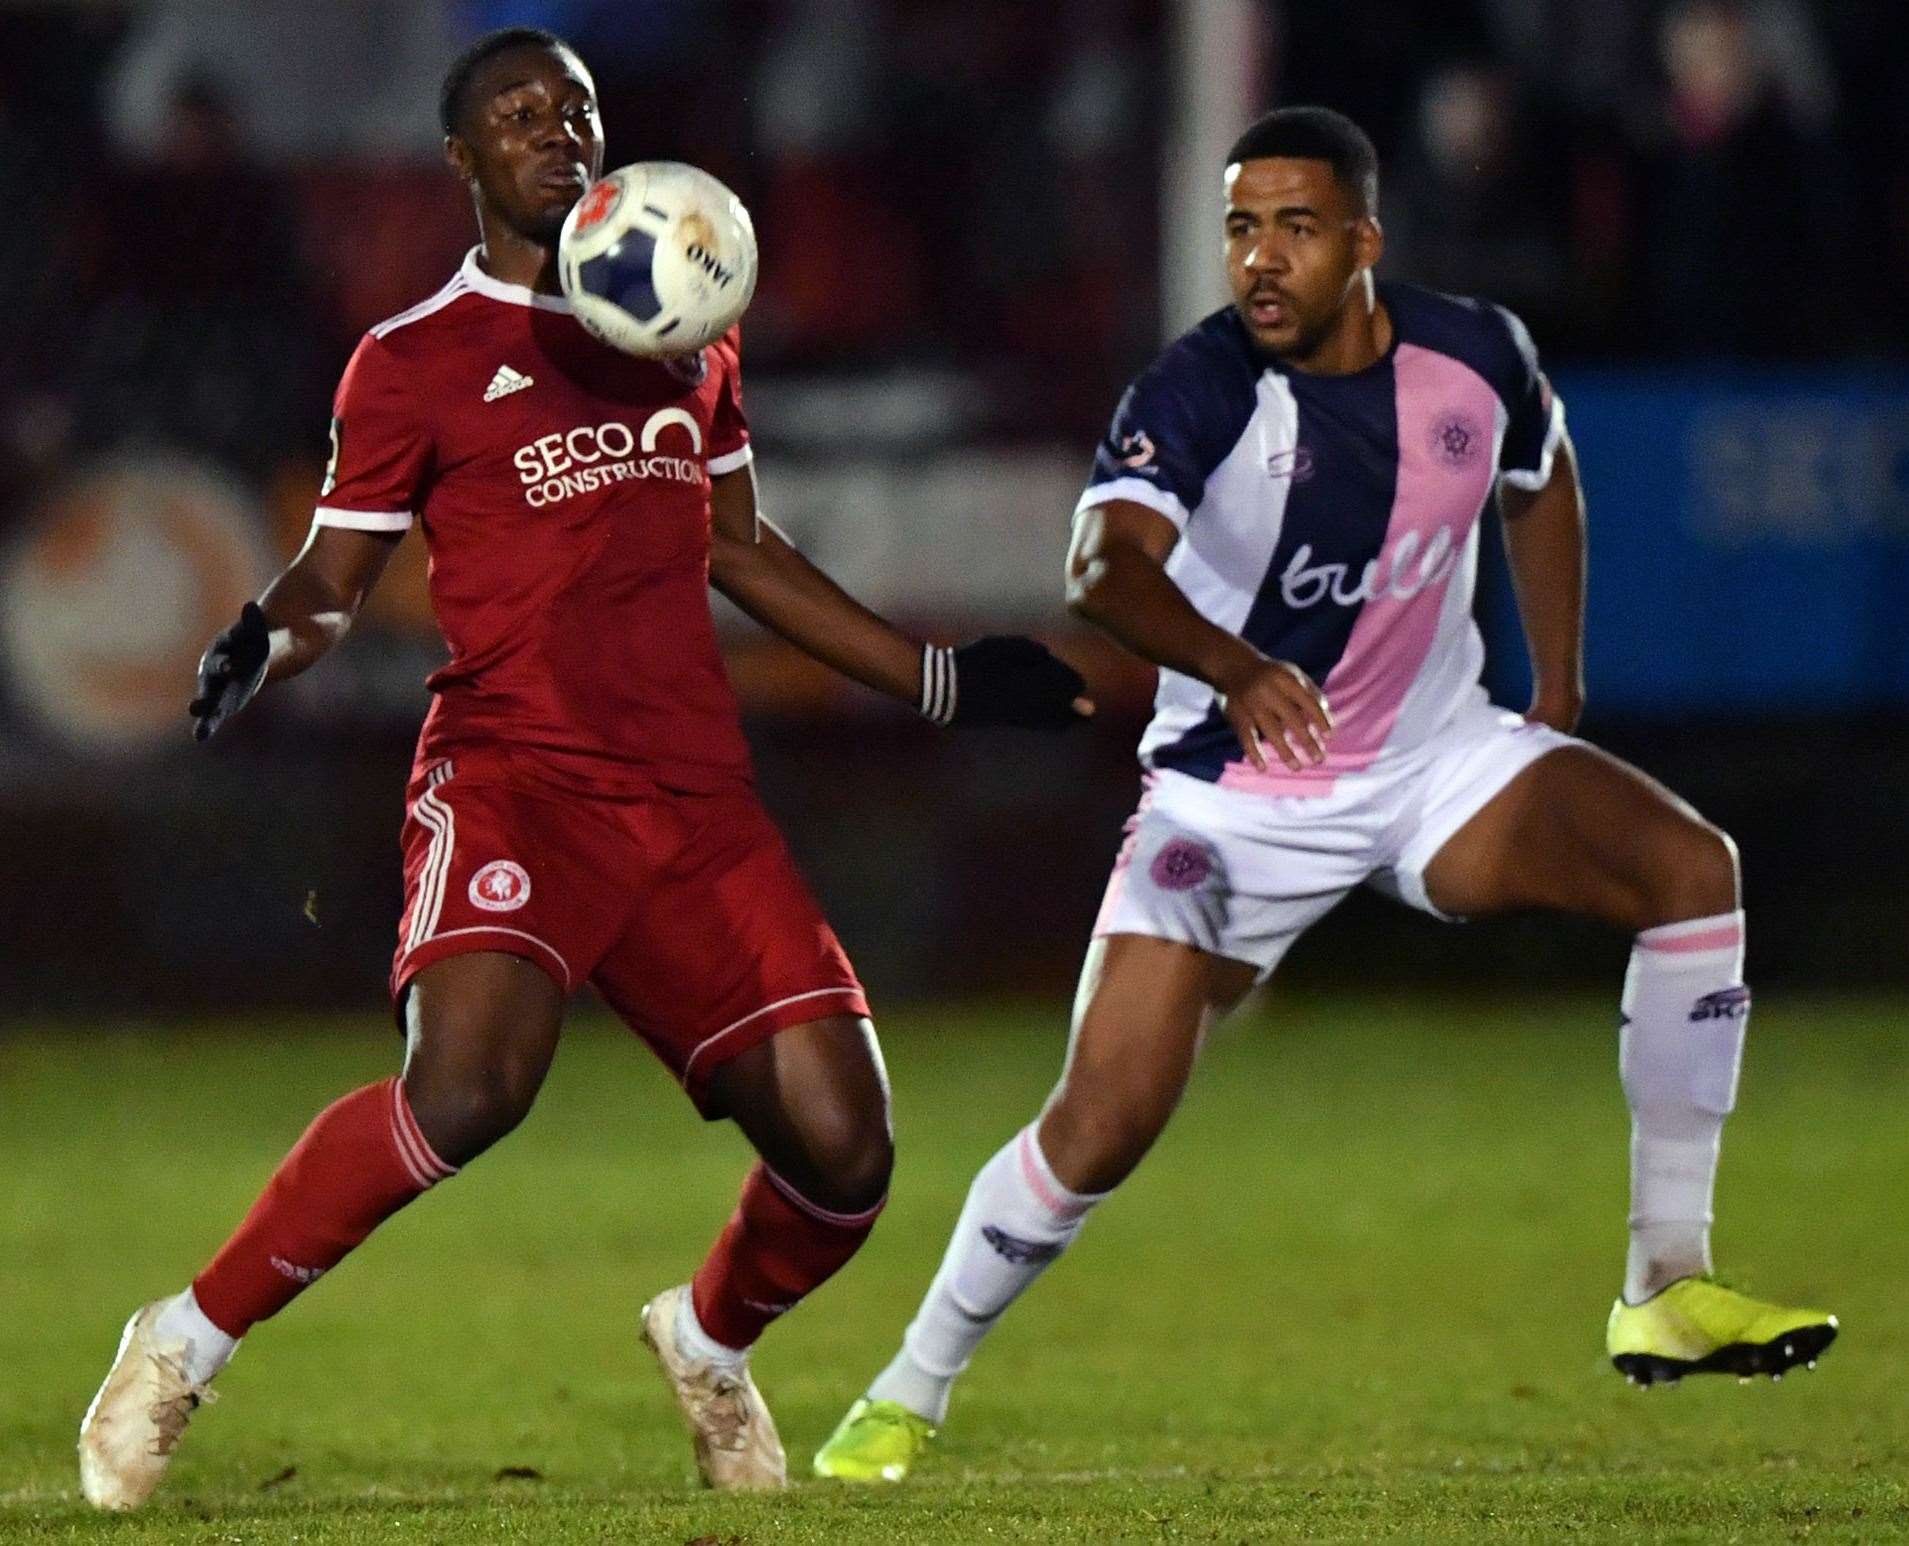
x: 581, y: 808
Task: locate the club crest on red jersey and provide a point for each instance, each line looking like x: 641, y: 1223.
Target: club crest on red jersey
x: 500, y: 887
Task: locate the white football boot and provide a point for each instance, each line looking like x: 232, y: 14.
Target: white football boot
x: 135, y: 1422
x: 737, y: 1448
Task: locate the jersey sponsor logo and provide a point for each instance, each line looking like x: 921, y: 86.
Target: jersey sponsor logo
x: 1182, y: 865
x: 1401, y: 571
x: 1297, y: 464
x: 1456, y: 439
x: 1013, y: 1248
x: 1136, y: 450
x: 664, y: 417
x: 500, y: 887
x: 565, y: 463
x: 595, y: 206
x: 1729, y: 1004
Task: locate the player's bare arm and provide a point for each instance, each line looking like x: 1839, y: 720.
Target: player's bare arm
x: 311, y: 606
x: 756, y: 567
x: 1544, y: 539
x: 1004, y: 681
x: 1117, y: 580
x: 302, y: 615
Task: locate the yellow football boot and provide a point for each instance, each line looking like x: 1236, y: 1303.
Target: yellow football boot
x: 1697, y: 1326
x: 877, y: 1442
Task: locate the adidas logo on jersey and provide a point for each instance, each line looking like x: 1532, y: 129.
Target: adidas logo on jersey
x: 504, y: 383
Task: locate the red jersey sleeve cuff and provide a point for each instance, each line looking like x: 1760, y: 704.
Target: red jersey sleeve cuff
x: 729, y: 461
x: 362, y: 520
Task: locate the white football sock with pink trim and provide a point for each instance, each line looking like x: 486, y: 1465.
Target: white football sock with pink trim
x: 1685, y: 1011
x: 1018, y: 1219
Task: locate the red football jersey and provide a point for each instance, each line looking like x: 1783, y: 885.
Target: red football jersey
x: 564, y: 491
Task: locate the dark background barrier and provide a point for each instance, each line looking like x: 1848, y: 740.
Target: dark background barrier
x: 265, y: 877
x: 1749, y: 541
x: 969, y: 220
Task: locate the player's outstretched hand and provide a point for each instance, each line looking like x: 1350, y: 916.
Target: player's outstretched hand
x: 1275, y: 704
x: 1002, y: 680
x: 230, y: 672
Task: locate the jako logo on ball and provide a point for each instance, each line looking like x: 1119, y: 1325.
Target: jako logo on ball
x: 710, y: 264
x: 658, y: 259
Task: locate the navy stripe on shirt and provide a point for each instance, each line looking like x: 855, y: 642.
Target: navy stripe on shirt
x: 1345, y: 477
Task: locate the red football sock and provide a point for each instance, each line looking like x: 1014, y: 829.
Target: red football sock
x: 776, y: 1248
x: 360, y: 1161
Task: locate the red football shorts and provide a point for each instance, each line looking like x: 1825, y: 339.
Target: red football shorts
x: 684, y: 911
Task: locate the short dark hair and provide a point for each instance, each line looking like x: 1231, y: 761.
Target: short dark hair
x: 457, y: 79
x: 1316, y: 134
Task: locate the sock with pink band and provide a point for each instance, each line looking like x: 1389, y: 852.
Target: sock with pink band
x: 1017, y: 1221
x: 1685, y: 1012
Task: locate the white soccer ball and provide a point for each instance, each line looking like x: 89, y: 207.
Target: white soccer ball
x: 658, y: 258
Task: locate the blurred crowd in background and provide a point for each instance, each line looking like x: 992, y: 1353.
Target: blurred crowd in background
x: 218, y: 207
x: 1701, y: 207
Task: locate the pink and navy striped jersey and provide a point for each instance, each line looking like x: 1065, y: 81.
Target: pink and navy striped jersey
x: 1332, y: 521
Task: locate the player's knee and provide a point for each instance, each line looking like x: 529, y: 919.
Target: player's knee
x: 851, y: 1159
x: 463, y: 1113
x: 862, y: 1174
x: 1696, y: 876
x: 852, y: 1174
x: 1098, y: 1129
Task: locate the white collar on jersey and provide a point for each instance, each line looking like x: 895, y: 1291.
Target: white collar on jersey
x: 497, y: 290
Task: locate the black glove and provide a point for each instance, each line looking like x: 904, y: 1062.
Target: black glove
x: 231, y: 670
x: 1001, y: 680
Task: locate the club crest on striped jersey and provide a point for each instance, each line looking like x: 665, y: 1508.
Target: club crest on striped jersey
x: 1182, y: 865
x: 1455, y: 439
x: 500, y: 887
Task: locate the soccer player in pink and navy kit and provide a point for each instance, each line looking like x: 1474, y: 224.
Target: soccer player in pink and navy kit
x: 1284, y: 517
x: 582, y: 807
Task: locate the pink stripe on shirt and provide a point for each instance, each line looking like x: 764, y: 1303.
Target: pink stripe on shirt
x: 1447, y: 416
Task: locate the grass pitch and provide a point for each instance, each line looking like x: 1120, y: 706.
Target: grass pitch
x: 1357, y: 1294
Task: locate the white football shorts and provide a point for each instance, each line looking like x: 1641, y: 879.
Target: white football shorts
x: 1243, y: 875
